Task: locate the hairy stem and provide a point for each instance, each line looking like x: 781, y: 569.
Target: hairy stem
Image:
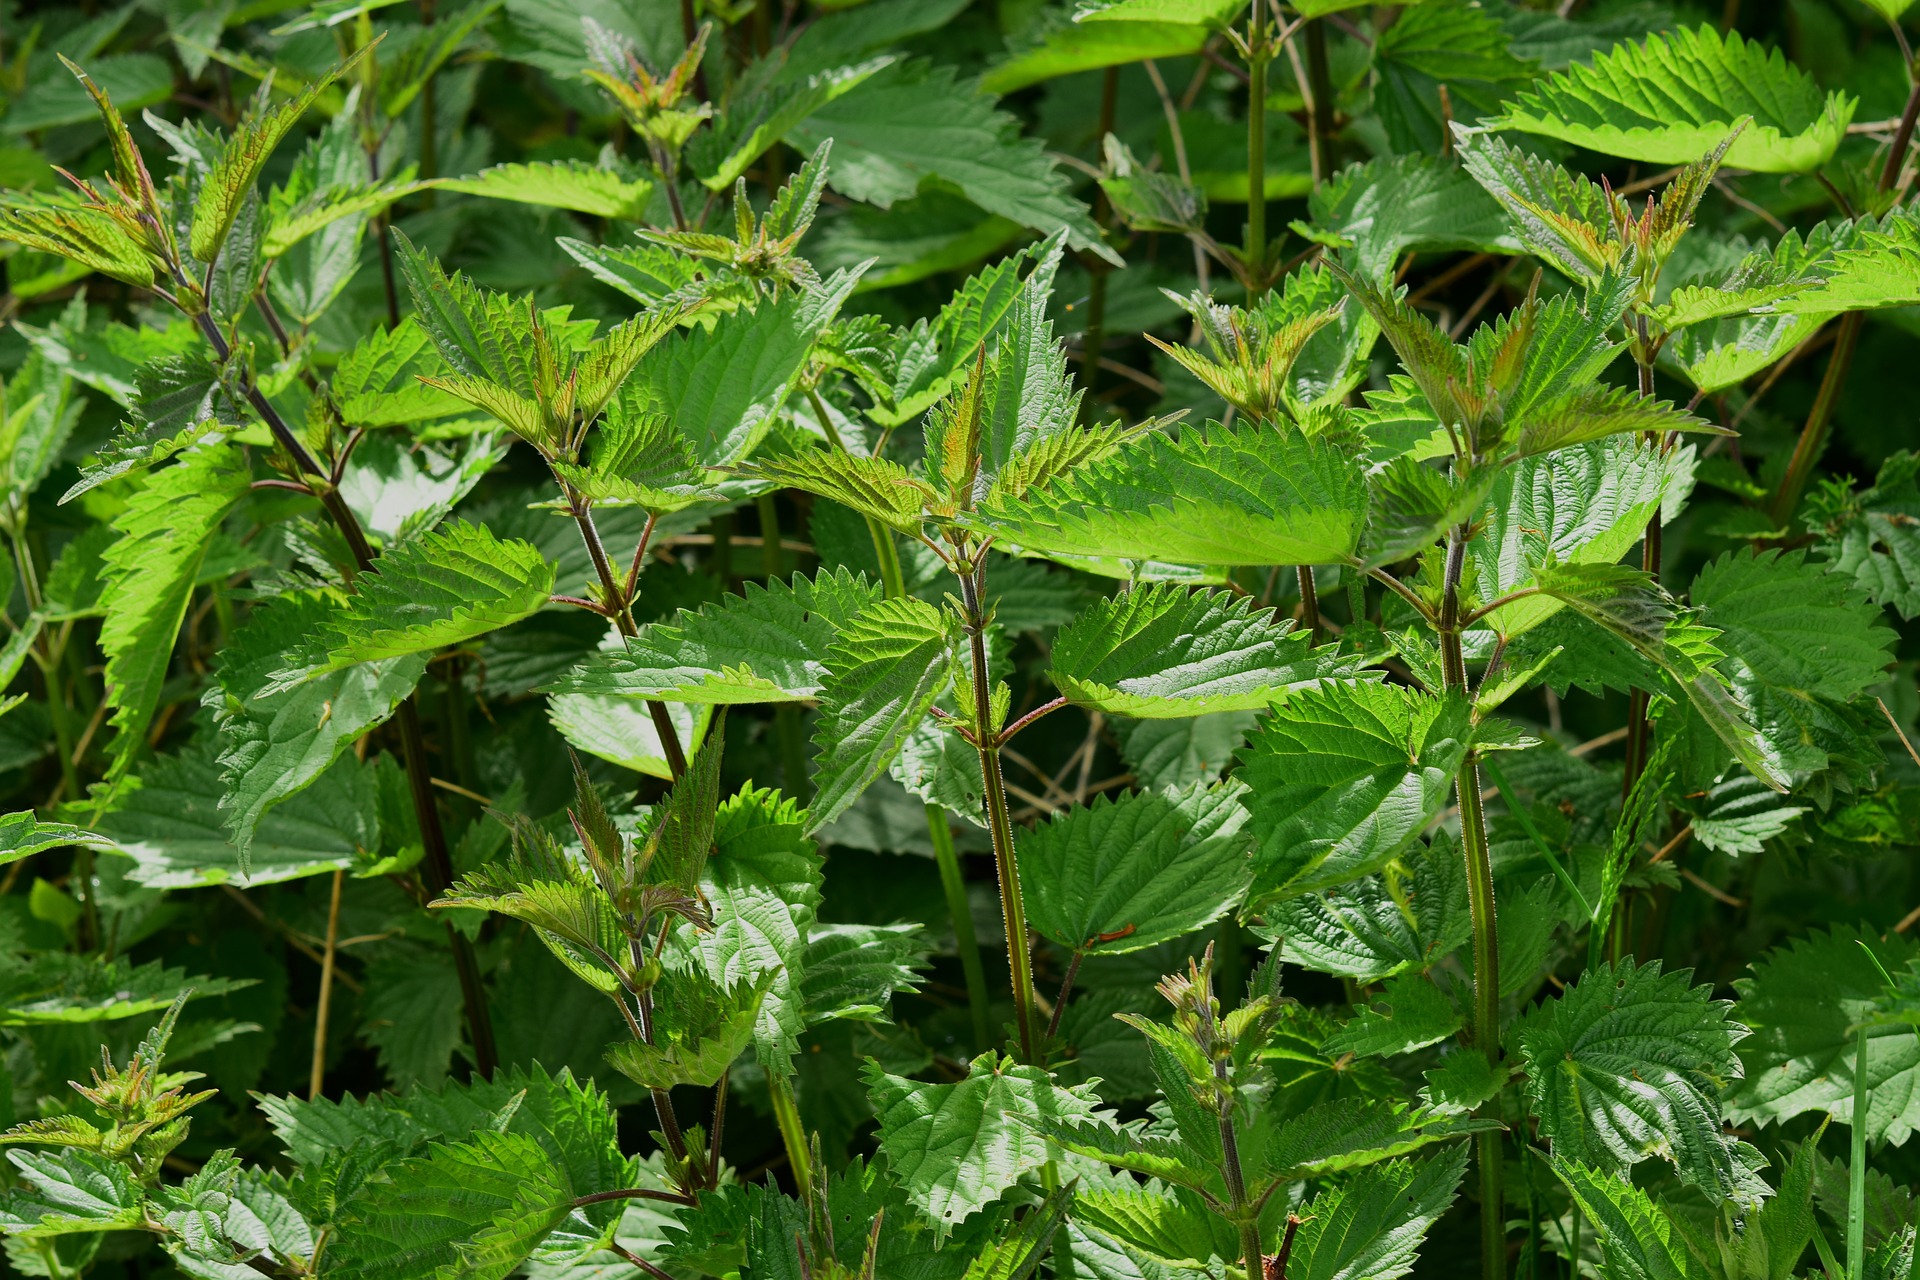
x: 793, y: 1134
x: 621, y: 604
x: 1320, y: 89
x: 1486, y: 949
x: 1639, y: 728
x: 1309, y: 604
x: 317, y: 1074
x: 1013, y: 911
x: 1094, y: 336
x: 1857, y: 1164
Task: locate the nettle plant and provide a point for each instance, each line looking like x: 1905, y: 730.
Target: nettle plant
x: 466, y: 666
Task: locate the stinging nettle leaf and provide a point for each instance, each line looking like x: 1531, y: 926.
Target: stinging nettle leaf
x: 1163, y: 652
x: 1343, y: 778
x: 1673, y: 98
x: 1121, y: 875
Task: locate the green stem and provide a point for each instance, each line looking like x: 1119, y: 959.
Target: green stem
x: 1320, y: 88
x: 1013, y: 910
x: 1256, y: 247
x: 954, y: 885
x: 1857, y: 1164
x: 793, y: 1134
x: 1486, y: 949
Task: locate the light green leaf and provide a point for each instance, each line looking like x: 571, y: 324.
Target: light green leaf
x: 699, y: 1028
x: 22, y: 835
x: 886, y: 667
x: 1121, y: 875
x: 377, y: 382
x: 1213, y: 496
x: 244, y: 155
x: 1164, y: 652
x: 1343, y: 778
x: 1410, y: 1013
x: 560, y: 184
x: 1674, y: 98
x: 1632, y: 607
x: 446, y: 587
x: 1588, y: 504
x: 69, y: 1192
x: 149, y: 578
x: 957, y: 1148
x: 56, y: 988
x: 768, y: 645
x: 1352, y: 1133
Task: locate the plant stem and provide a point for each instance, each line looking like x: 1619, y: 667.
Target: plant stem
x: 617, y: 600
x: 1013, y: 911
x: 1639, y: 728
x: 1486, y: 949
x: 1309, y: 604
x: 1819, y: 424
x: 954, y: 886
x: 1857, y: 1164
x: 1256, y: 247
x: 317, y: 1075
x: 1094, y: 336
x: 793, y: 1134
x: 1320, y: 89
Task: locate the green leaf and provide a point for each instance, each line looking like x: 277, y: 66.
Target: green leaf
x: 1121, y: 875
x: 723, y: 385
x: 275, y: 742
x: 638, y: 458
x: 55, y: 987
x: 1630, y: 606
x: 699, y: 1028
x: 447, y: 587
x: 1352, y: 1133
x: 1055, y: 47
x: 1673, y: 98
x: 1410, y: 1013
x: 1873, y: 535
x: 1871, y: 266
x: 1627, y: 1065
x: 1163, y: 652
x: 883, y: 672
x: 230, y: 181
x: 68, y: 1192
x: 913, y: 122
x: 1588, y: 504
x: 761, y: 109
x: 1343, y: 778
x: 169, y: 821
x: 1805, y: 1002
x: 1463, y: 46
x: 769, y: 644
x: 1392, y: 205
x: 560, y: 184
x: 764, y: 886
x: 878, y: 488
x: 852, y: 970
x: 377, y: 382
x: 1217, y: 495
x: 1801, y: 642
x: 957, y: 1148
x: 149, y: 578
x: 1638, y: 1239
x: 22, y: 835
x: 1371, y: 1227
x: 476, y: 1208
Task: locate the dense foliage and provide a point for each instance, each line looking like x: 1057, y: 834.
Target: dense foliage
x: 893, y: 639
